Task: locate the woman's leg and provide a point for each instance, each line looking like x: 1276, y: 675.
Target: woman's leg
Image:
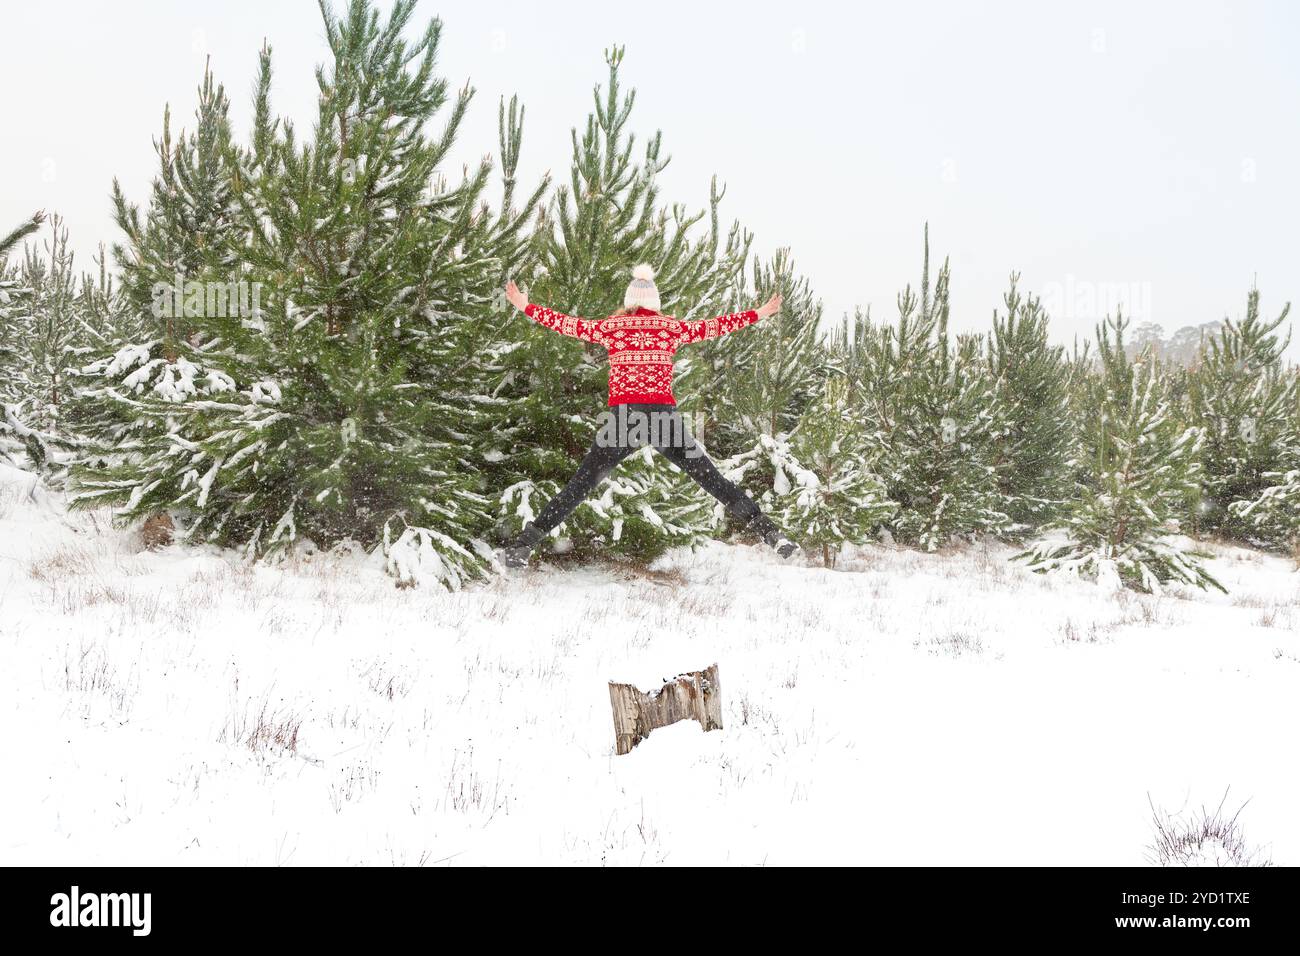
x: 683, y: 451
x: 599, y: 461
x: 677, y: 445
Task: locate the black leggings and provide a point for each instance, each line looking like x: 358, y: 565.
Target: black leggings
x: 672, y: 441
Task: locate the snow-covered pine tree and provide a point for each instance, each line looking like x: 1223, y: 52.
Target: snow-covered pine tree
x: 1178, y: 388
x: 14, y: 302
x: 107, y: 315
x: 828, y: 495
x: 190, y: 226
x: 153, y: 350
x: 164, y: 353
x: 1239, y: 396
x: 96, y: 427
x: 15, y: 309
x: 1273, y: 516
x: 551, y: 388
x: 46, y: 340
x: 1140, y: 463
x: 1081, y: 368
x: 54, y: 330
x: 761, y: 382
x: 753, y: 389
x: 1032, y: 432
x: 330, y: 405
x: 926, y: 403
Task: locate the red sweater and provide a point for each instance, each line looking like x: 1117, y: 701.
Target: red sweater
x: 641, y: 346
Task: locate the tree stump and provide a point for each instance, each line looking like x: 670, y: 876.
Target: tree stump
x: 693, y: 696
x: 157, y: 531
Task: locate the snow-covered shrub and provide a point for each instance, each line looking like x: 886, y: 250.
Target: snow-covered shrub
x: 762, y: 381
x: 824, y: 492
x: 1245, y: 402
x: 1274, y: 516
x: 1203, y: 838
x: 1032, y: 435
x: 263, y: 728
x: 927, y: 405
x: 426, y: 556
x: 1140, y: 466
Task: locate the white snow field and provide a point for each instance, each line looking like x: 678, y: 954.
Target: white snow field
x: 181, y: 707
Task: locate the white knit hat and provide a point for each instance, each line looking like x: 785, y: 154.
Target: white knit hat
x: 641, y: 291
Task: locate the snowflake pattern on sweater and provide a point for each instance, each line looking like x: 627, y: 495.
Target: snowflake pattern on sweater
x: 641, y: 346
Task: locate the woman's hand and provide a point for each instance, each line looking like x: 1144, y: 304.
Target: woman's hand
x: 516, y: 297
x: 770, y: 307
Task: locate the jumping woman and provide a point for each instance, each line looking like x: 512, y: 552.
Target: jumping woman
x: 641, y: 342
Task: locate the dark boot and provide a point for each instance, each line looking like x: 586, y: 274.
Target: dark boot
x: 515, y: 554
x: 764, y: 527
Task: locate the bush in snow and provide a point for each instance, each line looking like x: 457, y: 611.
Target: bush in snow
x: 927, y: 406
x: 15, y: 308
x: 1274, y: 516
x: 420, y: 556
x: 1243, y: 400
x: 761, y: 382
x: 1139, y: 466
x: 51, y: 321
x: 1207, y: 838
x: 826, y: 493
x: 752, y: 389
x: 1032, y: 435
x: 1271, y: 514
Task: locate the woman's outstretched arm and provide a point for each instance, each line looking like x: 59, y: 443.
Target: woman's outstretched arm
x: 714, y: 328
x: 571, y: 325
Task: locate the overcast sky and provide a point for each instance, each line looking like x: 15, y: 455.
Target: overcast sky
x: 1144, y: 153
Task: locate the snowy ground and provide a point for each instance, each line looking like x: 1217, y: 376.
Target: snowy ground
x: 178, y: 707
